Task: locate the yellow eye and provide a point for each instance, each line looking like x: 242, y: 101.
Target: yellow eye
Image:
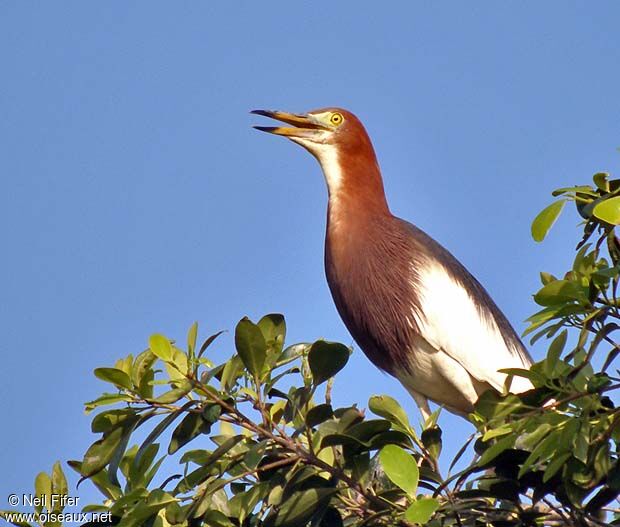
x: 336, y: 119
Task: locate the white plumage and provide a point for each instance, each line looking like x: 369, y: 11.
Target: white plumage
x: 462, y: 362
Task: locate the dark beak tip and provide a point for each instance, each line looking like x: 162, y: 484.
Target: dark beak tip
x: 265, y: 113
x: 264, y: 128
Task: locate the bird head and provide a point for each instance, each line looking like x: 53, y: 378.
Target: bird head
x: 336, y: 138
x: 314, y: 130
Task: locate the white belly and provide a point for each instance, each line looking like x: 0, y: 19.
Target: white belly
x: 436, y: 376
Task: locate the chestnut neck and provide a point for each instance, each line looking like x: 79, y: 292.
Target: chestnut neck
x: 357, y: 188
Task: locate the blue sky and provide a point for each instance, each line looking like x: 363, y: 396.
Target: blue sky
x: 136, y: 198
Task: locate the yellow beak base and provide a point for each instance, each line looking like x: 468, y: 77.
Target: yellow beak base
x: 304, y: 125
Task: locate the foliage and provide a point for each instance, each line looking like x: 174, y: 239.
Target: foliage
x: 260, y: 443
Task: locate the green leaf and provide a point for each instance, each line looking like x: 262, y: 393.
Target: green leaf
x: 400, y: 467
x: 608, y: 210
x: 174, y: 515
x: 151, y: 473
x: 161, y: 347
x: 302, y: 506
x: 546, y: 278
x: 228, y: 444
x: 172, y: 396
x: 387, y: 407
x: 198, y: 456
x: 420, y: 511
x: 290, y: 353
x: 127, y: 426
x: 367, y: 435
x: 100, y: 480
x: 177, y: 366
x: 142, y: 373
x: 273, y: 328
x: 556, y: 464
x: 100, y: 452
x: 192, y: 334
x: 344, y: 439
x: 348, y: 417
x: 105, y: 421
x: 554, y: 353
x: 532, y: 374
x: 117, y: 377
x: 492, y: 433
x: 275, y: 379
x: 326, y: 359
x: 530, y: 440
x: 559, y: 292
x: 496, y: 449
x: 231, y: 372
x: 137, y: 515
x: 492, y: 405
x: 600, y: 180
x: 431, y: 439
x: 602, y: 461
x: 5, y: 514
x: 243, y: 503
x: 206, y: 459
x: 368, y: 429
x: 545, y: 220
x: 215, y: 518
x: 211, y: 413
x: 158, y: 430
x: 319, y: 414
x: 582, y: 445
x: 254, y: 455
x: 550, y: 313
x: 251, y: 346
x: 543, y: 451
x: 59, y: 481
x: 391, y: 437
x: 124, y: 364
x: 43, y: 488
x: 577, y: 189
x: 208, y: 342
x: 189, y: 428
x: 129, y: 499
x: 137, y: 472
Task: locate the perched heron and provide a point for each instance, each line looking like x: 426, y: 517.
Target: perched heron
x: 411, y: 306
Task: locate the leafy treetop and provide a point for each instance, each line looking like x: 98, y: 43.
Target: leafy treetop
x: 260, y: 443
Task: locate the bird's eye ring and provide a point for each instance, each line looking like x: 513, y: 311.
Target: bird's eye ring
x: 336, y: 119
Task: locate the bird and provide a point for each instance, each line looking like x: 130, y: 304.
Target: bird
x: 414, y: 310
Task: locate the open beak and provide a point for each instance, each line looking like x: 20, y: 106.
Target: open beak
x: 304, y: 125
